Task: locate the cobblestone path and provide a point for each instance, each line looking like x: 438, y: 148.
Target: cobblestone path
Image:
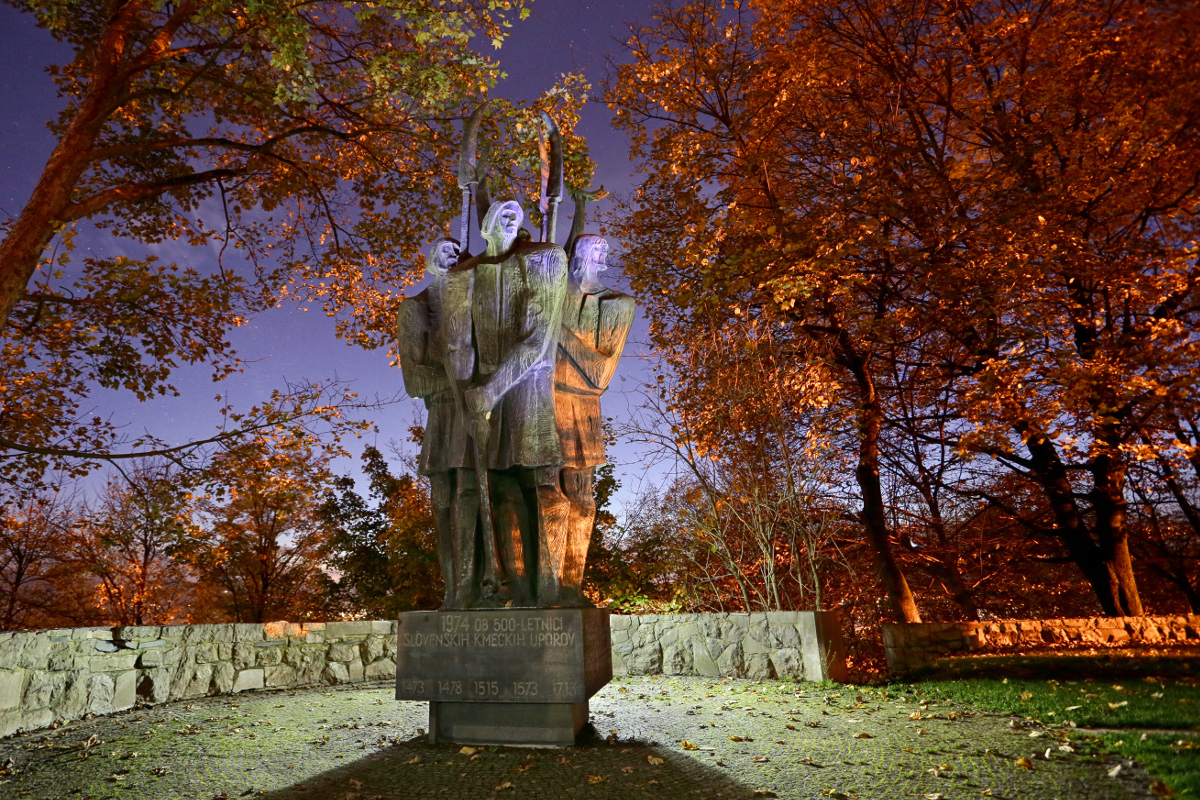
x: 655, y: 737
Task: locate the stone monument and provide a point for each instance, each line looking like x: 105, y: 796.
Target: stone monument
x: 510, y: 350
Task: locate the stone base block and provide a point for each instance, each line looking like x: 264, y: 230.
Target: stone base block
x: 511, y: 676
x: 553, y: 655
x: 527, y: 724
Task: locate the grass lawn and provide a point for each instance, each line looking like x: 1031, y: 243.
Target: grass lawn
x: 1155, y: 721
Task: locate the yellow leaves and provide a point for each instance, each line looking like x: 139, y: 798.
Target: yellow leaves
x: 688, y: 745
x: 1024, y: 763
x: 596, y: 778
x: 655, y: 761
x: 1160, y: 789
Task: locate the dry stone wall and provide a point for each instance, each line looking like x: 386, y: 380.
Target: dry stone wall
x: 802, y: 645
x: 911, y: 647
x: 60, y: 675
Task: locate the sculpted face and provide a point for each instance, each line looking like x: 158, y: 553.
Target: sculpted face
x: 501, y: 224
x: 591, y: 255
x: 441, y: 256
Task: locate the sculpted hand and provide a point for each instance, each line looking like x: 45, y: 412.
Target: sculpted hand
x: 476, y: 401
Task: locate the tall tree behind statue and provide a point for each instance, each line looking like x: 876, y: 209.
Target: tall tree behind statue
x: 983, y: 213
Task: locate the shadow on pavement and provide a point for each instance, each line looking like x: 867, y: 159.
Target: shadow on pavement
x: 594, y: 769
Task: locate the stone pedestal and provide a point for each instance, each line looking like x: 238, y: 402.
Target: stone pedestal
x: 509, y: 676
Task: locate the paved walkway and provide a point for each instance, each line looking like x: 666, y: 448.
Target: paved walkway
x: 656, y: 737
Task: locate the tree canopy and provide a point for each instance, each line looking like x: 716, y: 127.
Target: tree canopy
x: 965, y: 230
x: 302, y: 149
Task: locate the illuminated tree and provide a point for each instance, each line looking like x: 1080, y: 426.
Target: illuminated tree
x: 303, y: 149
x: 1003, y: 192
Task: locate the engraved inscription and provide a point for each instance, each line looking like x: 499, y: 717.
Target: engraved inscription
x: 510, y: 656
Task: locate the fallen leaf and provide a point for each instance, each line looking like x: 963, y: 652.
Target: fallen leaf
x: 736, y: 739
x: 414, y: 760
x: 1024, y: 763
x: 760, y: 759
x: 1115, y: 771
x: 1074, y: 708
x: 1026, y: 695
x: 655, y: 760
x: 1157, y: 695
x: 1160, y: 789
x: 915, y: 715
x: 764, y: 793
x: 986, y: 792
x: 934, y: 796
x: 469, y: 751
x: 689, y: 746
x: 595, y: 779
x: 1118, y: 705
x: 627, y: 770
x: 791, y: 727
x: 863, y: 735
x: 503, y: 786
x: 354, y: 784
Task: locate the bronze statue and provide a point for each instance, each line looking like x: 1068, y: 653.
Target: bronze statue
x: 511, y: 350
x: 438, y: 359
x: 595, y: 324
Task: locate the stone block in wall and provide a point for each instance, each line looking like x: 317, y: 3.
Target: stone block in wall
x: 383, y: 627
x: 619, y: 665
x: 731, y: 662
x: 248, y: 679
x: 751, y: 645
x: 677, y: 658
x: 783, y: 635
x: 136, y: 633
x: 30, y: 649
x: 12, y: 688
x: 243, y: 655
x: 337, y: 630
x: 124, y: 690
x: 383, y: 669
x: 191, y: 680
x: 282, y: 630
x: 389, y: 646
x: 343, y: 652
x: 788, y: 663
x: 247, y: 632
x: 269, y: 656
x: 758, y: 667
x: 154, y: 685
x: 225, y: 651
x: 308, y: 662
x: 100, y: 690
x: 280, y: 675
x: 204, y: 653
x: 336, y: 672
x: 372, y: 649
x: 619, y: 622
x: 702, y: 659
x: 150, y: 658
x: 356, y: 671
x: 222, y: 678
x: 42, y: 688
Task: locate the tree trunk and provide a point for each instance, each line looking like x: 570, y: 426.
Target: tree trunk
x: 47, y: 210
x: 1069, y: 525
x: 874, y: 515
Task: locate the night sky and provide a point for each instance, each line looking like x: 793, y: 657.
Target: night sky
x: 286, y: 343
